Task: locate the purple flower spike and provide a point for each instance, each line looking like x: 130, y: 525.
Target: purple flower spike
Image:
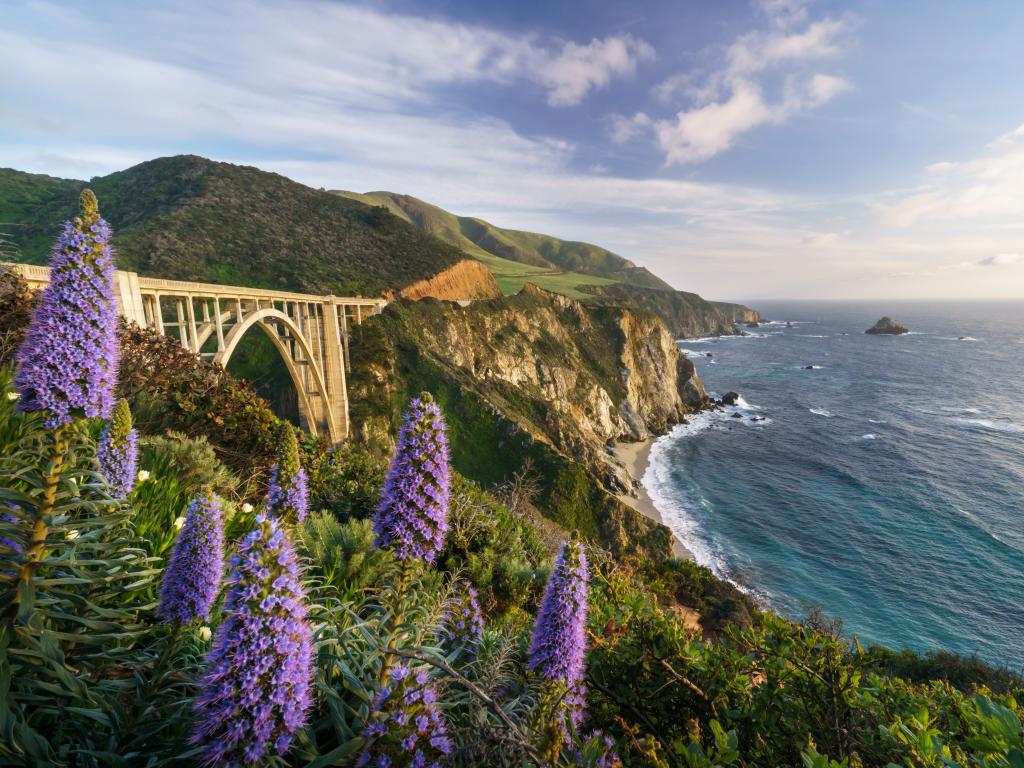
x: 412, y: 516
x: 118, y: 451
x: 194, y: 570
x: 559, y: 644
x: 463, y: 624
x: 67, y: 365
x: 257, y: 691
x: 406, y: 729
x: 288, y: 492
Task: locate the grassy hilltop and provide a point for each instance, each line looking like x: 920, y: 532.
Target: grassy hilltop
x: 517, y: 257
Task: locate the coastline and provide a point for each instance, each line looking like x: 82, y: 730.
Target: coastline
x: 635, y: 457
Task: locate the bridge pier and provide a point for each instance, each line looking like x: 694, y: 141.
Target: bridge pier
x: 310, y: 332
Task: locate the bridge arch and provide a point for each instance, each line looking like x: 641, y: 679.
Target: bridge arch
x: 310, y: 332
x: 267, y: 319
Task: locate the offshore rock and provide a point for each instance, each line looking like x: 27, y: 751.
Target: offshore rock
x: 887, y: 326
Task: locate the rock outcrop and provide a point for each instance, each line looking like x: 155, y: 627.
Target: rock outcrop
x: 887, y: 326
x: 467, y: 280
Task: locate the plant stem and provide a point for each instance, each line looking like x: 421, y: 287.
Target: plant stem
x: 37, y: 543
x: 395, y: 621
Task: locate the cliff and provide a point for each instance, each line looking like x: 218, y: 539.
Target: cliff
x: 465, y: 281
x: 738, y: 313
x: 685, y: 314
x: 538, y: 380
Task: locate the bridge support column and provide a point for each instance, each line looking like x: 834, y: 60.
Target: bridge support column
x: 334, y: 367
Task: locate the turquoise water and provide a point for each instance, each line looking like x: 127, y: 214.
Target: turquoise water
x: 885, y: 484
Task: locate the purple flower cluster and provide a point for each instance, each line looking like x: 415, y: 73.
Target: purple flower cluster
x: 558, y: 650
x: 406, y: 728
x: 194, y: 570
x: 412, y: 516
x: 463, y: 624
x: 67, y: 364
x: 118, y: 451
x: 257, y: 691
x: 288, y: 497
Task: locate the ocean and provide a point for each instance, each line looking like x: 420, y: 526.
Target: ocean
x: 883, y: 484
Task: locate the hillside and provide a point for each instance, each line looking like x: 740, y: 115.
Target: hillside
x: 517, y: 257
x: 189, y: 218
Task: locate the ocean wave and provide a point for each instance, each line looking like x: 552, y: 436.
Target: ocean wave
x: 809, y: 367
x: 961, y: 409
x: 820, y: 412
x: 878, y: 421
x: 810, y: 336
x: 678, y: 509
x: 682, y: 511
x: 869, y: 436
x: 996, y: 426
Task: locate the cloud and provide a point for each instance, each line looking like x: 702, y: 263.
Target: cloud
x: 1001, y: 260
x: 348, y: 53
x: 577, y: 69
x: 732, y: 101
x: 622, y: 129
x: 989, y: 188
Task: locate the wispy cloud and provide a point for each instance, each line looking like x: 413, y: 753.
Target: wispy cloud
x: 733, y: 99
x: 989, y: 188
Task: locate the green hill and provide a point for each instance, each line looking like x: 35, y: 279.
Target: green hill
x: 189, y: 218
x: 517, y: 257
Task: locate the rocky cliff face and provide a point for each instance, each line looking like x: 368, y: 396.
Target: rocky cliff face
x: 685, y: 314
x: 465, y: 281
x: 594, y: 374
x: 537, y: 377
x: 738, y: 313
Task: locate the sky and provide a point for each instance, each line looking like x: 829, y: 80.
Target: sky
x: 742, y: 150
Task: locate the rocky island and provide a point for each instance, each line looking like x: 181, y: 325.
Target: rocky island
x: 887, y: 326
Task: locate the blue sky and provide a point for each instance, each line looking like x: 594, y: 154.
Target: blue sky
x: 766, y: 149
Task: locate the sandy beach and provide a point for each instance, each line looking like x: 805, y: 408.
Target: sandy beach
x: 635, y: 457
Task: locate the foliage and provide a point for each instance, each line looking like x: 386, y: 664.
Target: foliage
x: 73, y: 618
x: 169, y: 388
x: 343, y: 554
x: 347, y: 481
x: 189, y: 218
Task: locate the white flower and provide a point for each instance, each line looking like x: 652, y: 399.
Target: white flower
x: 205, y: 634
x: 72, y: 535
x: 13, y: 395
x: 180, y: 523
x: 143, y: 475
x: 247, y: 507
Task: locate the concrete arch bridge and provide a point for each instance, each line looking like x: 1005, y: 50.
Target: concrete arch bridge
x: 310, y: 332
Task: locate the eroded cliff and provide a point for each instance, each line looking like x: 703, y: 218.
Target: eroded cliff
x: 534, y: 378
x: 465, y: 281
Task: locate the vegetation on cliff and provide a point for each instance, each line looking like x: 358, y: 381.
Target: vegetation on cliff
x: 325, y: 644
